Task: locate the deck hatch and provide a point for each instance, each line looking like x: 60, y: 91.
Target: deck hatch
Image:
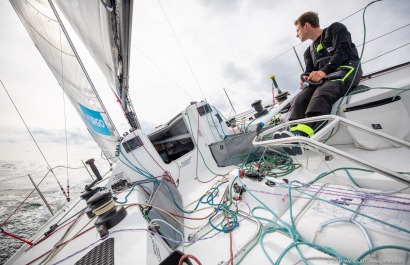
x: 101, y: 254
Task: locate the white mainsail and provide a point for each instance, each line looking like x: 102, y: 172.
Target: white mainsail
x: 47, y: 34
x: 106, y: 32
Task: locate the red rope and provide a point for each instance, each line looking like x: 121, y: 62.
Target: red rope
x: 16, y: 237
x: 8, y: 218
x: 184, y: 257
x: 167, y: 177
x: 65, y: 242
x: 230, y: 237
x: 152, y: 157
x: 166, y: 173
x: 61, y: 244
x: 57, y: 229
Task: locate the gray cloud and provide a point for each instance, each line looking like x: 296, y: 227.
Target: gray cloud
x: 75, y: 137
x: 233, y: 71
x: 58, y: 136
x: 231, y: 44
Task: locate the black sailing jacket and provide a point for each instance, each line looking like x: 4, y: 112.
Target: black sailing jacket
x: 330, y: 50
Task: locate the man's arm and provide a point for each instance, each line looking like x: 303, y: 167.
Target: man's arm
x: 308, y: 64
x: 341, y: 42
x: 310, y: 73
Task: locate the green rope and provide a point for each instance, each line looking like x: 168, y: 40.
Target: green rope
x: 337, y: 169
x: 380, y: 248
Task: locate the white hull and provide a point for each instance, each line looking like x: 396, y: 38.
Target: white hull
x: 375, y: 215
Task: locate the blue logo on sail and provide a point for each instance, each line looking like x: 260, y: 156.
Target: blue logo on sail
x: 96, y: 121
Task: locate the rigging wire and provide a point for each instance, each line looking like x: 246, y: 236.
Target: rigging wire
x: 114, y: 129
x: 285, y: 52
x: 162, y: 71
x: 42, y: 171
x: 180, y: 47
x: 360, y: 57
x: 18, y: 207
x: 65, y: 114
x: 352, y: 14
x: 385, y: 34
x: 262, y: 65
x: 32, y: 137
x: 281, y: 54
x: 292, y: 74
x: 386, y: 53
x: 66, y: 147
x: 293, y: 196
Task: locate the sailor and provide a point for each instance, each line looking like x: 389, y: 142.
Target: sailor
x: 331, y: 53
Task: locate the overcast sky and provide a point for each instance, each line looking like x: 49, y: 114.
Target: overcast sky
x: 231, y: 44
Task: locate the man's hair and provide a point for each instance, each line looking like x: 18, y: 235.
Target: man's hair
x: 311, y: 17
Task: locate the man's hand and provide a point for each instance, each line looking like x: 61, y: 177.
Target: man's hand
x: 305, y: 77
x: 316, y: 76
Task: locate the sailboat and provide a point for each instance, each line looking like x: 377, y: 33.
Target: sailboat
x: 207, y: 190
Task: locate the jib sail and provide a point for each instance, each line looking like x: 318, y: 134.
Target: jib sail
x: 49, y: 36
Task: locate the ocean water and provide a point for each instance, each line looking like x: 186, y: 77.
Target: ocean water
x: 33, y: 214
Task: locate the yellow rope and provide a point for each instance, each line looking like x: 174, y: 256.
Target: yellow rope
x: 104, y: 208
x: 164, y: 211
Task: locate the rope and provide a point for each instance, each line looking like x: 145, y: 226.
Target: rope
x: 265, y: 167
x: 61, y: 244
x: 8, y: 218
x: 290, y: 229
x: 361, y: 54
x: 230, y: 241
x: 196, y: 143
x: 15, y: 237
x: 38, y: 172
x: 104, y: 208
x: 34, y: 140
x: 184, y: 257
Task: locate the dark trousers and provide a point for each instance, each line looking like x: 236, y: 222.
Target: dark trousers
x: 317, y: 101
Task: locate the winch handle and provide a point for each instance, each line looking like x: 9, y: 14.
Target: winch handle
x: 310, y: 83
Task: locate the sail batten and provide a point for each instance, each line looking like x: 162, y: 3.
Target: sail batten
x: 48, y: 34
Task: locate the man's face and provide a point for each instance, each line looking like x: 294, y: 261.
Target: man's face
x: 301, y: 32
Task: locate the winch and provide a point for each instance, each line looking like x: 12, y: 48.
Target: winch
x: 109, y: 215
x: 260, y: 110
x: 100, y: 203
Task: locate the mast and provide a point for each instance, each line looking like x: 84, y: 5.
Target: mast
x: 79, y: 60
x: 123, y: 27
x: 105, y: 29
